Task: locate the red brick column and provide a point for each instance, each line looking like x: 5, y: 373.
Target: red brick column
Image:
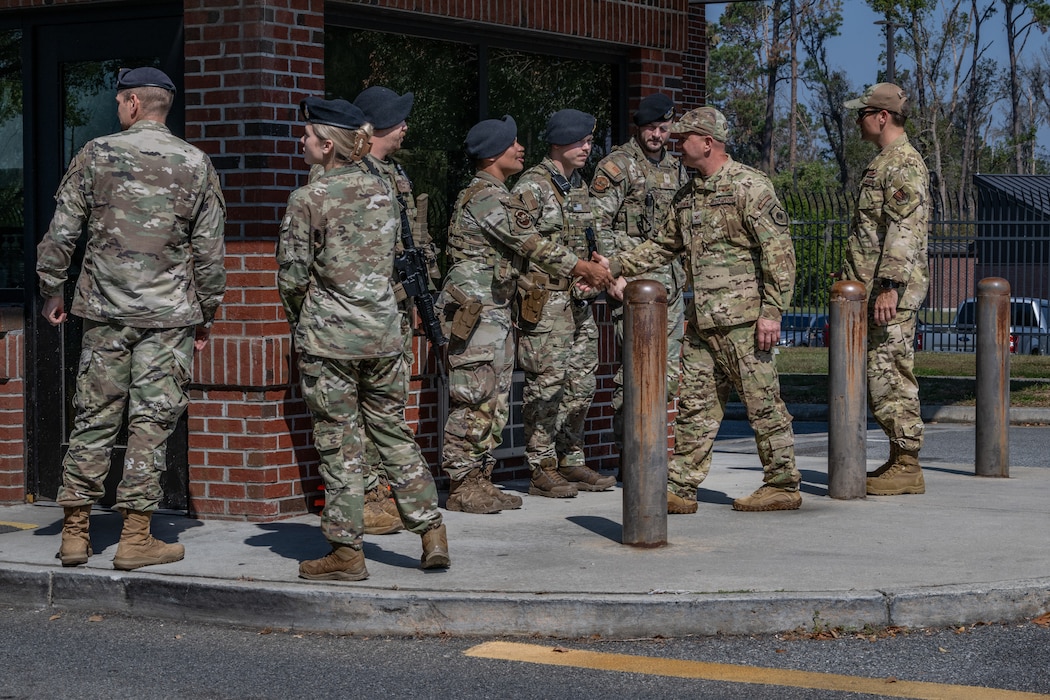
x: 12, y: 406
x: 248, y: 64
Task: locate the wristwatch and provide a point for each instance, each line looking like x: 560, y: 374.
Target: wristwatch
x: 885, y: 283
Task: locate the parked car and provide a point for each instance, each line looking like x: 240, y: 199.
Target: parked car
x: 1029, y: 328
x: 802, y: 330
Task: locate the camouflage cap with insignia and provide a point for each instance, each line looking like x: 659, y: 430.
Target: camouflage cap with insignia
x: 706, y: 121
x: 881, y: 96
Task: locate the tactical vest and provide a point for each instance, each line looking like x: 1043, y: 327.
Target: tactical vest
x: 645, y: 205
x: 467, y: 243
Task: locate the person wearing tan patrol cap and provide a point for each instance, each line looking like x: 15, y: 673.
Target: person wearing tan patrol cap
x: 740, y: 261
x: 892, y: 211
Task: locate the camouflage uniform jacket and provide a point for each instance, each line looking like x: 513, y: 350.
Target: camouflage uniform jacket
x: 562, y: 218
x: 155, y: 217
x: 397, y: 178
x: 891, y: 225
x: 741, y: 261
x: 490, y: 236
x: 334, y: 253
x: 631, y: 194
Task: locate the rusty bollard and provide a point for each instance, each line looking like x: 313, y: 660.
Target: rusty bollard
x: 992, y: 439
x: 643, y: 460
x: 847, y: 391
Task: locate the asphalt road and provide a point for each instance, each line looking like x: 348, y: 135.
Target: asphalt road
x: 87, y: 656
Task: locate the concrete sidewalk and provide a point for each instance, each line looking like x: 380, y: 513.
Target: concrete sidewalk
x: 971, y: 549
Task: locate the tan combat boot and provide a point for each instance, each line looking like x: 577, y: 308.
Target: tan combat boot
x: 76, y: 542
x: 546, y: 481
x: 381, y: 516
x: 344, y: 563
x: 677, y: 505
x: 137, y: 547
x: 894, y: 451
x: 769, y: 498
x: 435, y: 549
x: 507, y: 501
x: 586, y: 479
x: 468, y: 495
x: 903, y: 476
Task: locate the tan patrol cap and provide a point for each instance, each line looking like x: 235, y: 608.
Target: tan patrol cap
x: 885, y: 96
x: 706, y: 121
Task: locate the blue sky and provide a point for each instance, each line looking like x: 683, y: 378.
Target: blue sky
x: 859, y: 47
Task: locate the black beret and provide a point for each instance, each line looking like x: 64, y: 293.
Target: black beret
x: 338, y: 113
x: 383, y: 107
x: 654, y: 108
x: 491, y: 137
x: 143, y: 77
x: 568, y: 126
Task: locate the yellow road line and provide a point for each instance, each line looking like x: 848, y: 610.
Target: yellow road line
x: 732, y: 673
x: 20, y: 526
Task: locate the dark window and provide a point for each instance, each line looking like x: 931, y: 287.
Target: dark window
x: 12, y: 192
x: 458, y: 78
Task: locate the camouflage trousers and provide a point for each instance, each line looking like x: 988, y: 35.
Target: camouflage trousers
x: 343, y: 396
x: 675, y: 332
x: 480, y: 373
x: 893, y: 392
x: 560, y: 358
x: 373, y: 460
x: 713, y: 362
x: 146, y: 370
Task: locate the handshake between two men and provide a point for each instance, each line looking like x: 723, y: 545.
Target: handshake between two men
x: 595, y: 276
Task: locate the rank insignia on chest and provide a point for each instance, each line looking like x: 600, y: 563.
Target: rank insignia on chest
x: 600, y: 184
x: 900, y: 195
x: 522, y: 219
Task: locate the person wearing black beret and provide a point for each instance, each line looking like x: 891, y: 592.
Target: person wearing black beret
x: 388, y: 113
x: 492, y: 240
x: 631, y: 192
x: 346, y: 327
x: 558, y: 346
x: 152, y: 279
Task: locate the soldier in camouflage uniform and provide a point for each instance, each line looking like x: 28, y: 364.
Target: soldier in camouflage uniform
x: 491, y: 239
x: 558, y: 346
x: 387, y: 112
x: 152, y: 280
x: 631, y: 193
x: 741, y: 264
x: 334, y: 253
x: 887, y: 253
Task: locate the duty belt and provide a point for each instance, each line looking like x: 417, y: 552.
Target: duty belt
x: 551, y: 284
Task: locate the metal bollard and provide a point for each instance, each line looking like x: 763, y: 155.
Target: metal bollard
x: 992, y: 439
x: 848, y: 391
x: 643, y: 460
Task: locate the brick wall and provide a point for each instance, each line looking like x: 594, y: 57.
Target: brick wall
x: 248, y: 64
x: 12, y: 387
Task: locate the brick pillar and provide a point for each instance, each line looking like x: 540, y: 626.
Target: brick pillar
x: 12, y: 405
x: 694, y: 61
x: 248, y: 64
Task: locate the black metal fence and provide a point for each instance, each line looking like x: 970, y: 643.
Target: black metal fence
x: 1002, y: 231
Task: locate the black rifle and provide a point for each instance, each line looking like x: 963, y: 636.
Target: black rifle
x: 592, y: 241
x: 412, y: 272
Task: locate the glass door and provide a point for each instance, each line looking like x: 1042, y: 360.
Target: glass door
x: 75, y: 75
